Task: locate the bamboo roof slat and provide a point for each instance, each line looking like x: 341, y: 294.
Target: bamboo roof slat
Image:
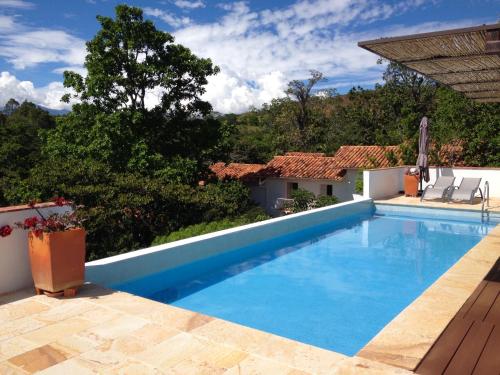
x: 457, y: 58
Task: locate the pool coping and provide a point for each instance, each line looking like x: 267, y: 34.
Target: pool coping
x: 401, y: 344
x: 405, y: 340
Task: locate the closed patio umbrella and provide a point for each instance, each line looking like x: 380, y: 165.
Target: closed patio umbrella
x: 423, y: 149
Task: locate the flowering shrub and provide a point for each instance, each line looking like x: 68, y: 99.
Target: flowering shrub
x: 53, y: 223
x: 5, y: 231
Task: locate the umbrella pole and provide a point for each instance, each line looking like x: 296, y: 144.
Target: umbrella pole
x: 420, y: 175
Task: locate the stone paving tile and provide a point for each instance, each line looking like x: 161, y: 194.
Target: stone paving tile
x: 7, y: 369
x: 56, y: 331
x: 133, y: 367
x: 72, y: 366
x: 14, y: 346
x: 361, y: 366
x: 241, y: 337
x: 170, y: 352
x: 20, y: 310
x: 39, y: 359
x: 64, y: 311
x: 121, y: 325
x: 178, y: 318
x: 301, y: 356
x: 254, y: 365
x: 18, y: 327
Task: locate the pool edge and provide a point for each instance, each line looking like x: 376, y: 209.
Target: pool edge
x: 405, y: 340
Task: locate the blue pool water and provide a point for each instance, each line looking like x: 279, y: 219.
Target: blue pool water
x: 334, y: 286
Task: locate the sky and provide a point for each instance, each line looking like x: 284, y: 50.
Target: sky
x: 259, y: 45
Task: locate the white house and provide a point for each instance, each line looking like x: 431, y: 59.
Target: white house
x: 320, y: 174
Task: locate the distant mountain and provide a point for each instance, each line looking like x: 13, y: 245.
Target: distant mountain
x: 55, y: 112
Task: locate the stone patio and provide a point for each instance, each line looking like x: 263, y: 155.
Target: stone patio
x: 108, y: 332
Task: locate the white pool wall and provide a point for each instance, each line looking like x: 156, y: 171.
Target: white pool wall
x: 140, y: 263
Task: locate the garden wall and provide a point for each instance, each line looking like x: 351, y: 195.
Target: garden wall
x: 15, y: 271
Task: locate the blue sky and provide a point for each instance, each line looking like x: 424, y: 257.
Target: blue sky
x: 259, y: 45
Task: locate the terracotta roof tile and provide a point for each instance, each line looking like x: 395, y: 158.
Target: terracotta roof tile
x: 366, y: 156
x: 303, y: 165
x: 309, y: 154
x: 238, y: 171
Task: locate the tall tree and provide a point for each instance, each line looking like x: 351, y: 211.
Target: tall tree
x: 130, y: 59
x: 301, y: 92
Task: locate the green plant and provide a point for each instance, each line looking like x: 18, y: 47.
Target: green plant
x: 358, y: 188
x: 251, y: 216
x: 325, y: 200
x: 302, y: 200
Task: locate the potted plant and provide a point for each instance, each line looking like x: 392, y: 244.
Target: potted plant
x: 56, y: 249
x: 411, y: 178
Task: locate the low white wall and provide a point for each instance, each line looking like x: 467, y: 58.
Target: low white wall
x: 15, y: 270
x: 386, y: 182
x: 492, y: 175
x: 382, y: 183
x: 140, y: 263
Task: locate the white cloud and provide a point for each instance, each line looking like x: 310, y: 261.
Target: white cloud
x: 167, y: 17
x: 6, y: 23
x: 276, y: 46
x: 25, y: 47
x: 186, y: 4
x: 75, y: 68
x: 48, y: 96
x: 16, y: 4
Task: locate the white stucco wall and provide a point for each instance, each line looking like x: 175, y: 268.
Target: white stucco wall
x: 492, y: 175
x: 382, y: 183
x: 15, y: 271
x: 277, y: 188
x: 386, y: 182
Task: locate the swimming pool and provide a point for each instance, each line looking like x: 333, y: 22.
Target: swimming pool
x: 333, y: 285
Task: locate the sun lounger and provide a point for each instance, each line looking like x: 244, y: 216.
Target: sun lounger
x: 467, y: 190
x: 440, y: 189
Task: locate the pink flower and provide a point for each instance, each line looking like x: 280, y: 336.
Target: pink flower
x: 30, y: 222
x: 60, y: 201
x: 5, y: 231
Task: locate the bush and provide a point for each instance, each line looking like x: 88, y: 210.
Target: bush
x: 302, y: 200
x: 358, y: 188
x: 325, y: 200
x: 253, y: 215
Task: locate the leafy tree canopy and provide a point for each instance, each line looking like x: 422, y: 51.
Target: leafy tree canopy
x: 129, y: 60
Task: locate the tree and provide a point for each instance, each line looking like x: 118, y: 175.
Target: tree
x: 130, y: 59
x: 10, y: 106
x: 132, y: 164
x: 301, y: 92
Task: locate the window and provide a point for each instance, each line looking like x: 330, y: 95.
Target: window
x: 291, y: 186
x: 329, y: 190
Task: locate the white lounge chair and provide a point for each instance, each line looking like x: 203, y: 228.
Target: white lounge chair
x: 467, y: 190
x: 440, y: 189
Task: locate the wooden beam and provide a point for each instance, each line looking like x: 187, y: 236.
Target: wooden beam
x: 493, y: 42
x: 444, y: 59
x: 468, y: 82
x: 487, y: 70
x: 367, y: 44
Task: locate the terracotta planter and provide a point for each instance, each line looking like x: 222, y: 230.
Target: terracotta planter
x: 58, y: 260
x: 411, y: 185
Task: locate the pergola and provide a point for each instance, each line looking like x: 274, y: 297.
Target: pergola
x: 467, y: 60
